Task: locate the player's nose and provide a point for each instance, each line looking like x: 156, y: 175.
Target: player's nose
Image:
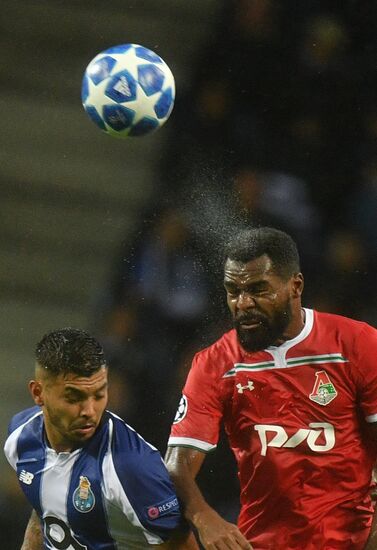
x: 245, y: 301
x: 88, y: 409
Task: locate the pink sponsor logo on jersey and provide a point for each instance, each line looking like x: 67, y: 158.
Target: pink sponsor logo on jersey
x: 153, y: 512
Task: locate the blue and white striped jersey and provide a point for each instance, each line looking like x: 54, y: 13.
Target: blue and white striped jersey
x: 112, y: 494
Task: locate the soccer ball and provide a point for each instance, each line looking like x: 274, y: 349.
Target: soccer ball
x: 128, y: 90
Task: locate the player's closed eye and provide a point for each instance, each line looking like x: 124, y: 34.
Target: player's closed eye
x: 232, y: 292
x: 255, y: 292
x: 99, y: 396
x: 72, y: 399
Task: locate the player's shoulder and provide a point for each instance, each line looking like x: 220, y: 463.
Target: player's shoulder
x: 339, y: 324
x: 132, y: 456
x: 22, y: 417
x: 24, y: 427
x: 125, y: 440
x: 349, y: 336
x: 217, y: 356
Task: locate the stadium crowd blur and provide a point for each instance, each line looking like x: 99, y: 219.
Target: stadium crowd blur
x: 277, y: 127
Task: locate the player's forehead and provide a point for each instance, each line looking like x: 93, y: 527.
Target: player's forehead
x: 259, y: 269
x: 83, y: 383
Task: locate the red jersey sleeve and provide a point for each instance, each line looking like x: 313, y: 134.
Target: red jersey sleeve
x: 366, y: 365
x: 199, y: 414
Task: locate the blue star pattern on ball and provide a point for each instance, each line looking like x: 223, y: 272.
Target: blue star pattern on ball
x: 94, y: 115
x: 151, y: 78
x: 118, y: 117
x: 144, y: 53
x: 122, y: 87
x: 164, y: 104
x: 101, y: 69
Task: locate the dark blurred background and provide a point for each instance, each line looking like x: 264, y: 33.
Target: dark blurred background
x: 275, y: 123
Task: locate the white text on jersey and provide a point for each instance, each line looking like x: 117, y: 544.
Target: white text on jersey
x: 281, y: 438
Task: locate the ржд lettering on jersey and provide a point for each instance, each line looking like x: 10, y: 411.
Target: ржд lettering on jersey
x: 310, y: 436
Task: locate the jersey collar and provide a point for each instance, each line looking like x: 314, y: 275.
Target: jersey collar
x: 306, y: 330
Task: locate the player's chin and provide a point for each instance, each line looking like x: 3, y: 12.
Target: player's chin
x: 255, y: 340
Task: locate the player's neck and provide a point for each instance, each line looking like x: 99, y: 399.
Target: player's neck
x: 53, y: 441
x: 295, y: 327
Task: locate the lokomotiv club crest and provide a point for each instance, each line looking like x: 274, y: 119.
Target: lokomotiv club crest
x: 324, y: 390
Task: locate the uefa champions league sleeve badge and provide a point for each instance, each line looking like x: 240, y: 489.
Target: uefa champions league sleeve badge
x: 83, y: 497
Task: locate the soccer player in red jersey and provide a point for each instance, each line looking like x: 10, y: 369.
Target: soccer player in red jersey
x: 296, y: 390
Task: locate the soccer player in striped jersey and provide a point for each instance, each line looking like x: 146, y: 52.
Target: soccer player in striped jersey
x: 92, y: 481
x: 296, y: 390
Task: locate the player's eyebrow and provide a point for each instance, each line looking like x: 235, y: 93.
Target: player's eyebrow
x: 255, y: 285
x: 78, y: 392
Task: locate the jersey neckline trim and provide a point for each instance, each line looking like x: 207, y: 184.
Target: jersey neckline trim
x: 279, y: 354
x: 306, y: 330
x: 292, y: 362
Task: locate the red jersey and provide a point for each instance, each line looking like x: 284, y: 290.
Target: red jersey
x: 296, y: 417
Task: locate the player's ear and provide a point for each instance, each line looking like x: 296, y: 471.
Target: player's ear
x: 297, y: 285
x: 36, y: 390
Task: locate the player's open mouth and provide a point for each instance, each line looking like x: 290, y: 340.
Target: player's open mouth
x: 247, y: 324
x: 88, y: 428
x: 250, y: 325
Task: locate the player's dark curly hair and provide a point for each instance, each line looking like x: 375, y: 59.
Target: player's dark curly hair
x: 250, y: 244
x: 70, y: 350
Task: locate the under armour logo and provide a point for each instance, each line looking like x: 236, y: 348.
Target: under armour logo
x: 26, y: 477
x: 249, y: 386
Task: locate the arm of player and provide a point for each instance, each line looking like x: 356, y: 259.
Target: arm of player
x: 366, y: 350
x: 214, y: 532
x: 372, y: 540
x: 33, y: 539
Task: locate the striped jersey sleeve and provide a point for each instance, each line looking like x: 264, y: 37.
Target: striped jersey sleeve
x: 200, y: 411
x: 15, y: 427
x: 366, y: 371
x: 136, y: 480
